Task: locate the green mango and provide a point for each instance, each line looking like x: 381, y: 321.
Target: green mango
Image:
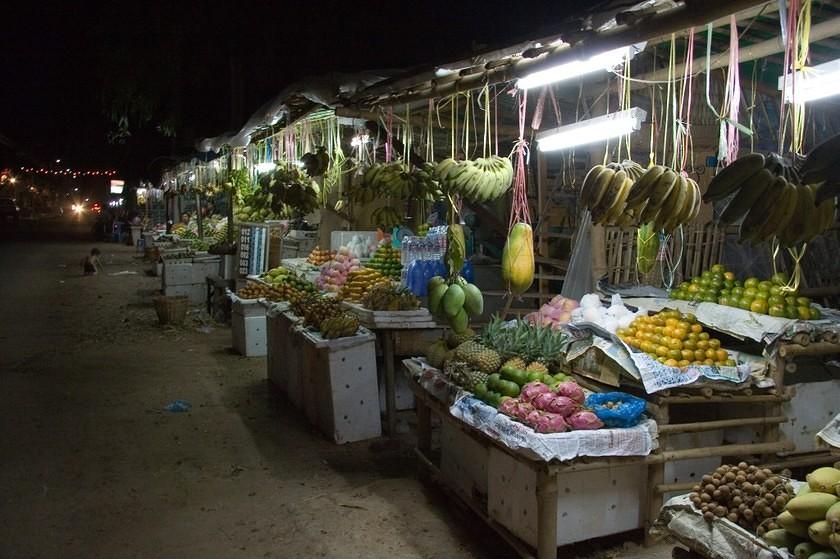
x: 460, y: 322
x: 473, y: 300
x: 436, y: 293
x: 453, y: 300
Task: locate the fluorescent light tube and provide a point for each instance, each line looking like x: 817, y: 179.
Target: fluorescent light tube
x: 599, y: 62
x: 593, y: 130
x: 813, y: 83
x: 265, y: 167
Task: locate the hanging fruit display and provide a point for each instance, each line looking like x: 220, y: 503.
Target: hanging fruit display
x: 386, y: 261
x: 518, y: 259
x: 289, y: 185
x: 479, y: 180
x: 675, y: 340
x: 659, y: 195
x: 455, y: 301
x: 386, y: 217
x: 822, y: 167
x: 398, y: 180
x: 773, y: 297
x: 773, y: 198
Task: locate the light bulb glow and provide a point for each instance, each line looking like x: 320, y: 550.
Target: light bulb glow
x: 265, y: 167
x: 813, y: 83
x: 593, y: 130
x: 599, y: 62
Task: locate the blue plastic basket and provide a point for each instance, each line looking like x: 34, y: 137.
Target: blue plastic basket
x: 627, y: 414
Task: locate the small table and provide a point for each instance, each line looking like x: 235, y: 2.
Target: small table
x: 386, y: 324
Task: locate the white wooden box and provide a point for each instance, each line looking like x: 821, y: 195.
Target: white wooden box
x: 339, y: 384
x: 812, y: 407
x: 463, y: 462
x: 282, y: 357
x: 684, y: 471
x: 249, y: 334
x: 203, y: 268
x: 591, y: 504
x: 177, y: 274
x: 196, y: 292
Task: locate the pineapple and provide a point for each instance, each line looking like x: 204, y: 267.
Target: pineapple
x: 454, y: 339
x: 515, y: 362
x: 537, y: 366
x: 480, y: 357
x: 436, y: 353
x: 476, y: 377
x: 458, y: 372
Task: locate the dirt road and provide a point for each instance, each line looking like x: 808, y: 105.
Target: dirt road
x: 91, y: 465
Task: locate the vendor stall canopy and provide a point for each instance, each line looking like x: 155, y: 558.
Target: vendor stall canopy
x: 599, y: 31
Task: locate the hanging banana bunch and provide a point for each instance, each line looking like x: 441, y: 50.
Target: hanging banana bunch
x: 775, y: 198
x: 624, y: 194
x: 479, y: 180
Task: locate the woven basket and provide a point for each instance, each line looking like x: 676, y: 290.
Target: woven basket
x: 171, y: 310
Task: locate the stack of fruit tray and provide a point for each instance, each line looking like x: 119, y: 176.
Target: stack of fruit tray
x: 418, y: 318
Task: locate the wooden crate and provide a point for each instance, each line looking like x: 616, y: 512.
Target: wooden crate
x: 339, y: 386
x: 420, y: 318
x: 590, y: 504
x: 281, y: 356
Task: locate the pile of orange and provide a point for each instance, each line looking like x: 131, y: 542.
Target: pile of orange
x: 675, y: 339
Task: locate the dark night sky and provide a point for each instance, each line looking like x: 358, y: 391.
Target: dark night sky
x: 58, y: 63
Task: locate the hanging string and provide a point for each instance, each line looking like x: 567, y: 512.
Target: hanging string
x: 389, y: 145
x: 467, y: 107
x: 519, y: 211
x: 733, y: 93
x: 407, y: 135
x: 430, y: 135
x: 496, y: 118
x: 684, y: 119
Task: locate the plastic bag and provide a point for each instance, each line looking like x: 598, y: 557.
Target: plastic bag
x: 625, y: 410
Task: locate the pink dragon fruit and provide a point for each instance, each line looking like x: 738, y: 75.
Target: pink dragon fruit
x: 544, y: 400
x: 584, y: 420
x: 532, y: 390
x: 551, y: 423
x: 570, y: 390
x: 507, y: 405
x: 522, y: 410
x: 562, y: 405
x: 533, y: 418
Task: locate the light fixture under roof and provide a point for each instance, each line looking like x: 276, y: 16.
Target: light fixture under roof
x: 592, y: 130
x: 812, y: 83
x: 599, y: 62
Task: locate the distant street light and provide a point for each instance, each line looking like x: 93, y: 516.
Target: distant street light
x: 76, y: 189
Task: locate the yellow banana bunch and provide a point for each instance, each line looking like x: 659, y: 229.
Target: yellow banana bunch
x: 625, y: 194
x: 398, y: 180
x: 479, y: 180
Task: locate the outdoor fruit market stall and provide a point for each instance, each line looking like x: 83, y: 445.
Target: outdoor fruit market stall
x: 602, y: 267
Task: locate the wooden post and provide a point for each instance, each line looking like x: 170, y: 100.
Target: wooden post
x: 656, y: 476
x: 390, y: 389
x: 546, y: 515
x: 542, y: 239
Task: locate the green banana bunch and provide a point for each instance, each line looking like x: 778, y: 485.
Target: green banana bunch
x: 397, y: 180
x: 478, y: 180
x: 386, y: 217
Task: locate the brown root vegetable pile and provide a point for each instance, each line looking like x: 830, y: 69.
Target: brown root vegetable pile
x: 746, y: 495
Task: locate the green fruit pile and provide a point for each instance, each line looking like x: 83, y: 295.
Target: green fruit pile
x: 772, y: 297
x: 386, y: 261
x: 810, y: 524
x: 455, y: 301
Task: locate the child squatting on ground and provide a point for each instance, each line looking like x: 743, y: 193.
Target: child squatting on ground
x: 90, y: 263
